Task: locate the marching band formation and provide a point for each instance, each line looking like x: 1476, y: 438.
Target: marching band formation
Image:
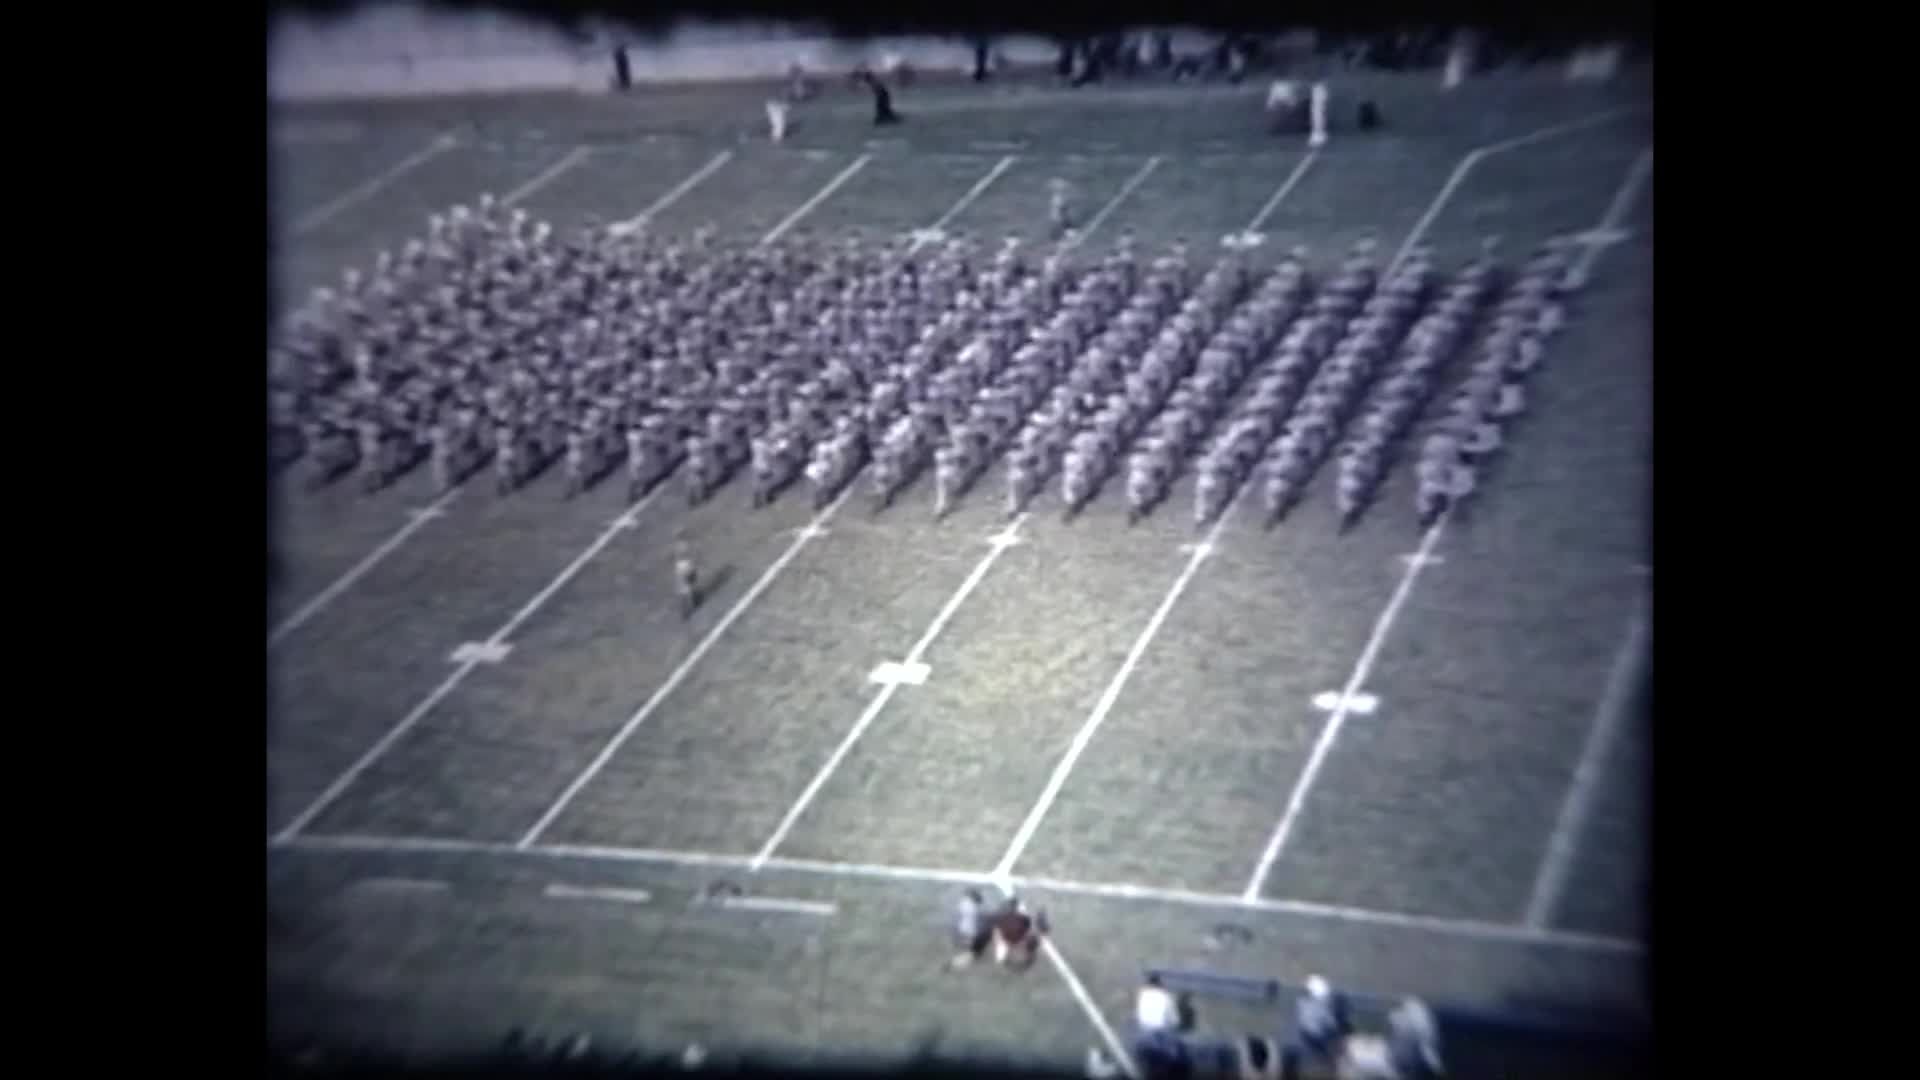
x: 493, y: 342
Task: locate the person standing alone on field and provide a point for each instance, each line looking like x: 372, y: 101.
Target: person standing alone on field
x: 686, y: 577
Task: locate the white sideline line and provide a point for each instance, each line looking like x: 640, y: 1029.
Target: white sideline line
x: 884, y: 695
x: 1087, y: 1005
x: 1330, y: 732
x: 1571, y: 822
x: 379, y: 749
x: 318, y: 216
x: 1113, y: 204
x: 398, y: 845
x: 1273, y: 203
x: 917, y: 874
x: 1084, y: 737
x: 332, y: 592
x: 1477, y: 155
x: 819, y: 197
x: 552, y: 173
x: 560, y: 891
x: 679, y: 673
x: 1438, y: 924
x: 975, y: 191
x: 676, y: 193
x: 1338, y: 718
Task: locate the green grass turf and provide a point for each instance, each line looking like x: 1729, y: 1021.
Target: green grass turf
x: 1439, y: 803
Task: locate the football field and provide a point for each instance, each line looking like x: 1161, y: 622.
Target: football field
x: 505, y: 775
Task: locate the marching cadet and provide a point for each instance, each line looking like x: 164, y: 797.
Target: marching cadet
x: 1023, y: 467
x: 886, y: 476
x: 373, y: 465
x: 820, y: 473
x: 1146, y: 480
x: 947, y: 462
x: 506, y: 459
x: 442, y: 457
x: 576, y: 462
x: 686, y: 578
x: 637, y: 463
x: 1358, y: 468
x: 700, y: 469
x: 1075, y: 480
x: 1209, y: 493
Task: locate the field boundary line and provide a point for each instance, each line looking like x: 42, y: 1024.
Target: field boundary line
x: 1555, y: 867
x: 1436, y: 924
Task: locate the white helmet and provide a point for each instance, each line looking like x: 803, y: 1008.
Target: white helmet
x: 1317, y: 986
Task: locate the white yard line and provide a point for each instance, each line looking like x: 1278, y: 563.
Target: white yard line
x: 819, y: 197
x: 1000, y: 543
x: 1104, y: 705
x: 553, y: 172
x: 1467, y: 928
x: 332, y: 592
x: 1342, y: 709
x: 320, y: 215
x: 677, y: 193
x: 1126, y: 189
x: 621, y: 524
x: 974, y: 192
x: 1280, y: 194
x: 1336, y: 720
x: 1571, y: 822
x: 1084, y: 737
